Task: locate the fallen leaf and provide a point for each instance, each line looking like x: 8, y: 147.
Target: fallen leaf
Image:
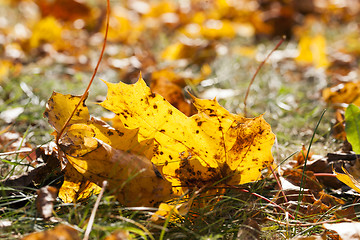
x: 250, y: 229
x: 119, y: 235
x: 99, y: 152
x: 343, y: 93
x: 348, y: 179
x: 312, y: 50
x: 174, y: 211
x: 169, y: 85
x: 46, y: 30
x: 68, y: 10
x: 45, y: 201
x: 346, y: 230
x: 300, y: 157
x: 76, y: 187
x: 132, y: 178
x: 309, y: 180
x: 61, y: 232
x: 194, y: 151
x: 352, y: 127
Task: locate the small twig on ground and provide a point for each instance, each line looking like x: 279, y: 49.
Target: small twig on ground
x: 257, y: 71
x: 93, y: 213
x: 307, y: 224
x: 278, y: 183
x: 264, y: 198
x: 16, y: 152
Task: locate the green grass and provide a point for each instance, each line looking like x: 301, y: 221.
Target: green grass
x: 281, y: 91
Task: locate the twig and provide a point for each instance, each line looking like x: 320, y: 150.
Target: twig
x: 136, y: 224
x: 93, y: 212
x: 257, y: 71
x: 305, y: 224
x: 264, y: 198
x: 324, y: 175
x: 58, y: 136
x: 16, y: 152
x: 279, y: 184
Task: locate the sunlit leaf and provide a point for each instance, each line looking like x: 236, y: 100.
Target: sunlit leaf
x: 76, y: 187
x: 99, y: 152
x: 348, y: 179
x: 203, y: 149
x: 352, y: 127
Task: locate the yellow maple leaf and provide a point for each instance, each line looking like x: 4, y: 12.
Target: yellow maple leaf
x: 132, y: 177
x: 76, y: 187
x: 194, y: 151
x: 99, y: 152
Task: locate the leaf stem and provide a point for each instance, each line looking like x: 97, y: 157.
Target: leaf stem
x: 258, y: 70
x: 58, y: 136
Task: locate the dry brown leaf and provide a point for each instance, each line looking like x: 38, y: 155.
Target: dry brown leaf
x: 45, y: 201
x: 346, y: 230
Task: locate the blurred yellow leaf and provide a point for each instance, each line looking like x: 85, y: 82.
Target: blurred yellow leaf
x: 312, y: 50
x: 46, y: 30
x: 203, y: 149
x: 123, y: 27
x: 343, y: 93
x: 215, y: 29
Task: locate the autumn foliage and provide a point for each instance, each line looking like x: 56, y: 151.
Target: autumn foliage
x: 164, y: 147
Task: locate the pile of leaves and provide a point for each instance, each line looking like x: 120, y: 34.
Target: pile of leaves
x: 173, y: 164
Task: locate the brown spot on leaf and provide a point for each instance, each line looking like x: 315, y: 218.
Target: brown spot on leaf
x: 120, y: 133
